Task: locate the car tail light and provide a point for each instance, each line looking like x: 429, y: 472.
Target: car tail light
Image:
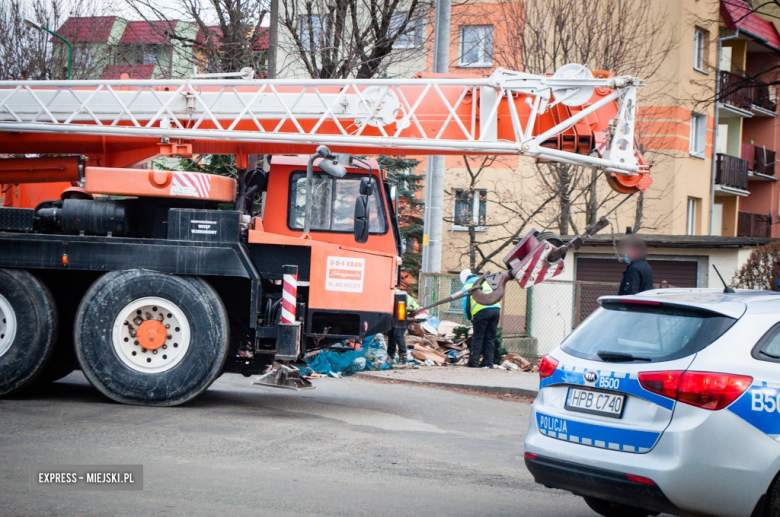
x: 640, y: 479
x: 712, y: 390
x: 530, y: 455
x: 662, y: 383
x: 547, y: 367
x: 707, y: 390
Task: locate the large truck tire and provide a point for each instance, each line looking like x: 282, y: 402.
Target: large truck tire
x: 62, y: 363
x: 28, y: 329
x: 151, y: 339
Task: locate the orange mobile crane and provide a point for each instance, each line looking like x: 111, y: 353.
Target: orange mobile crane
x: 156, y: 282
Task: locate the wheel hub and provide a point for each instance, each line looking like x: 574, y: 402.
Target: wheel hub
x: 151, y: 335
x: 7, y: 325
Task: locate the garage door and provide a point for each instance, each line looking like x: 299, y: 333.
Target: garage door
x: 677, y: 273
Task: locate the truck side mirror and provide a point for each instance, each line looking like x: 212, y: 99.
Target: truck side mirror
x: 366, y: 187
x: 361, y: 218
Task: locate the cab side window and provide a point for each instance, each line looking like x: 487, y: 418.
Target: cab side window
x: 768, y: 347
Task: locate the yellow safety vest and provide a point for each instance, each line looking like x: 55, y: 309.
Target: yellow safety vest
x: 474, y: 306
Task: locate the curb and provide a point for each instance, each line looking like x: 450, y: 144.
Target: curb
x: 473, y: 387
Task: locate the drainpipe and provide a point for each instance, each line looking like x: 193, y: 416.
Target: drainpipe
x: 717, y: 109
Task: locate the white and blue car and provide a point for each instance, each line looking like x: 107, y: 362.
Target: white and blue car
x: 667, y: 401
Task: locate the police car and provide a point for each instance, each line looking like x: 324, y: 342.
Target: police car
x: 667, y: 401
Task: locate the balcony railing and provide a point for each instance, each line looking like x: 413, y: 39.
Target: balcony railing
x: 731, y: 171
x: 745, y: 93
x: 754, y: 225
x: 735, y: 90
x: 760, y: 159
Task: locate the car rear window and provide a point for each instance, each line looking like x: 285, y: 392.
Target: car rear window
x: 647, y: 332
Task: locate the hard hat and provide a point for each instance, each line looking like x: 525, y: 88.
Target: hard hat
x: 464, y: 275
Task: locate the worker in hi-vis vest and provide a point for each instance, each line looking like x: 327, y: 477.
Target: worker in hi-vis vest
x: 484, y: 320
x: 397, y: 336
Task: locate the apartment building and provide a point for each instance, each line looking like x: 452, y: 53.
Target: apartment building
x: 708, y: 122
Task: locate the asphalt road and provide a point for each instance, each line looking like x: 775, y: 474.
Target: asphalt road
x: 349, y: 447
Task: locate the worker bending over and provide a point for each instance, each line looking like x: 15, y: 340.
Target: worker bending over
x: 397, y: 336
x: 484, y: 320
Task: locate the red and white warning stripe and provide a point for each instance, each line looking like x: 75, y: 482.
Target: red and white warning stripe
x: 289, y: 294
x: 534, y: 268
x: 191, y: 184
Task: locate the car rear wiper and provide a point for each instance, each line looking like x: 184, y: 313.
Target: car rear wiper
x: 773, y: 356
x: 618, y: 357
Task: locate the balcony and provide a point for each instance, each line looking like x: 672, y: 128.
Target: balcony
x: 747, y: 94
x: 731, y: 174
x: 760, y: 159
x: 754, y: 225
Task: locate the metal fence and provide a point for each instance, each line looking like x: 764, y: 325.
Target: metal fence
x: 533, y: 321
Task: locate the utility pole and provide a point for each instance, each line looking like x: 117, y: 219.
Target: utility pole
x: 434, y: 181
x: 273, y: 39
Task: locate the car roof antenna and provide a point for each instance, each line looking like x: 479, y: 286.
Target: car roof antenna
x: 726, y: 288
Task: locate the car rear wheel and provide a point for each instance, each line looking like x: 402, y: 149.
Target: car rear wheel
x: 773, y: 499
x: 151, y: 339
x: 28, y: 329
x: 608, y: 509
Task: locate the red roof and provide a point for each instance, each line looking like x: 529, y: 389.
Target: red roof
x: 156, y: 32
x: 88, y: 29
x: 134, y: 71
x: 739, y: 15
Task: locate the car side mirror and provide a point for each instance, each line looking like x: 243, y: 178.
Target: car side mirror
x: 366, y: 187
x: 361, y: 218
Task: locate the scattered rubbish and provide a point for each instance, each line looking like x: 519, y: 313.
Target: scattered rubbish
x: 431, y: 343
x: 282, y: 376
x: 519, y: 362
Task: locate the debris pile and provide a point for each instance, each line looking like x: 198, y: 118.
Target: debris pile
x: 430, y: 343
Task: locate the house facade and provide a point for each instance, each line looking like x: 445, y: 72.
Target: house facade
x: 110, y: 47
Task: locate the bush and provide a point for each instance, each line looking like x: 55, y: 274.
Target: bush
x: 762, y: 269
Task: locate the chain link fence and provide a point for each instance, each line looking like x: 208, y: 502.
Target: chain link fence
x: 533, y: 321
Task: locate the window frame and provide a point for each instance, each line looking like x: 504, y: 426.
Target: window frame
x: 476, y: 202
x: 691, y: 220
x: 303, y: 36
x: 378, y: 191
x: 767, y: 338
x: 485, y: 61
x: 414, y: 33
x: 699, y: 49
x: 698, y: 134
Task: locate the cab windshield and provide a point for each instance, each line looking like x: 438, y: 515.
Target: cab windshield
x: 333, y: 208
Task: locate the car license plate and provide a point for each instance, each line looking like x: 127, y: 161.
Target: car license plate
x: 596, y: 402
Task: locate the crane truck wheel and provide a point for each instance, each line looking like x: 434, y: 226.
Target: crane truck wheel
x: 28, y: 329
x: 151, y: 339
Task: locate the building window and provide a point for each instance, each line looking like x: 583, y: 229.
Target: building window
x: 478, y: 203
x: 310, y: 33
x: 149, y: 57
x: 476, y: 46
x: 698, y: 134
x: 412, y: 37
x: 699, y: 49
x: 83, y: 56
x: 690, y: 228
